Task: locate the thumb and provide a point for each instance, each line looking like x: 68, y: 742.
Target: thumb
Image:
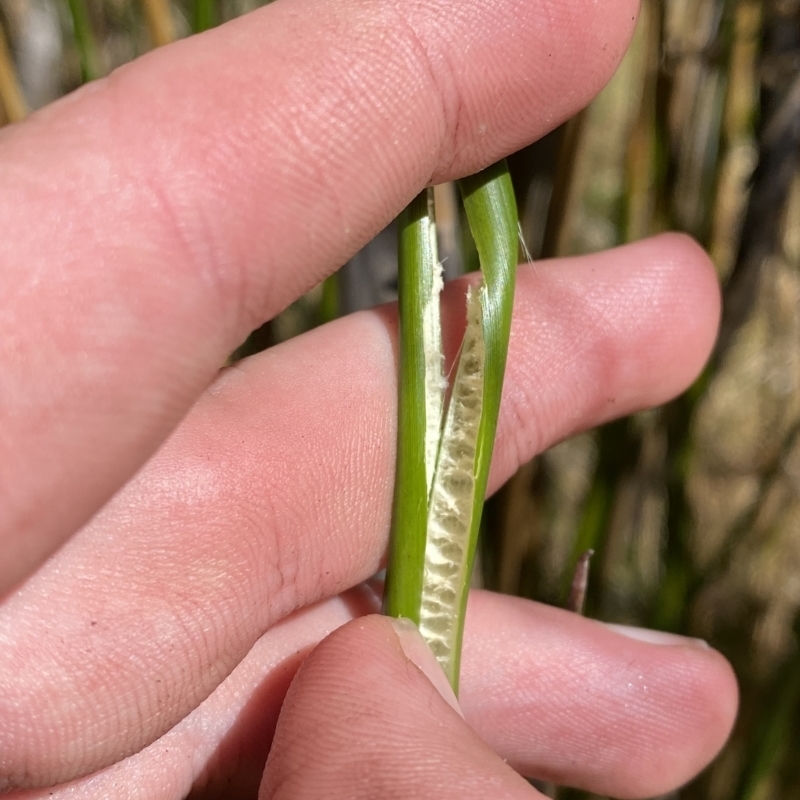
x: 371, y: 714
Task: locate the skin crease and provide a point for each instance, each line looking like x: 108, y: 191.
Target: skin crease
x: 161, y: 214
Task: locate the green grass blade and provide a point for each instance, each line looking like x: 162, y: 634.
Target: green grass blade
x: 85, y: 41
x: 419, y: 282
x: 492, y: 216
x: 331, y: 301
x: 204, y: 15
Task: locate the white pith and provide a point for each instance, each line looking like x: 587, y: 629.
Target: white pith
x: 451, y: 497
x: 435, y: 383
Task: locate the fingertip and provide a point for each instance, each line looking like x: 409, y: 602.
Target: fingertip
x: 360, y: 721
x: 714, y: 691
x: 578, y: 703
x: 690, y: 312
x: 695, y: 272
x: 694, y: 716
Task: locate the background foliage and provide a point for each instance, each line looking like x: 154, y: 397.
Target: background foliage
x: 693, y: 509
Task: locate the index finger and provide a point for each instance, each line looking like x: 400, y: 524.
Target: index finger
x: 156, y: 217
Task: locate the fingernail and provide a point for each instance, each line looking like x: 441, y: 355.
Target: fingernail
x: 418, y: 652
x: 657, y: 637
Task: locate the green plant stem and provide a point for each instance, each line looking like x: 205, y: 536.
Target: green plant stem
x: 410, y: 511
x: 204, y: 15
x: 493, y: 220
x: 85, y: 41
x: 436, y: 515
x: 330, y: 303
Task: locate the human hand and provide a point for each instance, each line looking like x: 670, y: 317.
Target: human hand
x: 151, y: 221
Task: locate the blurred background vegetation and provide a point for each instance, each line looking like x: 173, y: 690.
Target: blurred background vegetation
x: 693, y: 509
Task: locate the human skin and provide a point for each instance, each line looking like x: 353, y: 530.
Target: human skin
x: 177, y: 538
